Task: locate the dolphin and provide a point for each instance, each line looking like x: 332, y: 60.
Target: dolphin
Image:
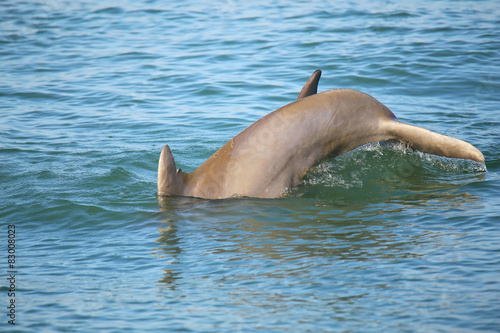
x: 273, y: 154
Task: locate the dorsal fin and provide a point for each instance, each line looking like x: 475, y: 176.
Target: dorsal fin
x: 311, y: 86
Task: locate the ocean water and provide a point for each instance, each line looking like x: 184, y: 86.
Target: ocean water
x: 382, y: 239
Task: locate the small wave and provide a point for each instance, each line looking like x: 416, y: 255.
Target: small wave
x: 109, y: 10
x: 386, y: 167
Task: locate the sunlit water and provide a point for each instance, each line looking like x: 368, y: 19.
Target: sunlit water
x: 381, y: 239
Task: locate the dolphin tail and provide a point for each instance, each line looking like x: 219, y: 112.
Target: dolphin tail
x: 433, y: 143
x: 311, y: 86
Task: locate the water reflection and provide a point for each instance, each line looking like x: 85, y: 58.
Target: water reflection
x: 326, y: 251
x: 238, y: 239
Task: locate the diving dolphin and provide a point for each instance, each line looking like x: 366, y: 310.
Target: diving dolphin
x: 273, y: 154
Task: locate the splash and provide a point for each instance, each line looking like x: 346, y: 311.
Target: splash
x: 386, y: 166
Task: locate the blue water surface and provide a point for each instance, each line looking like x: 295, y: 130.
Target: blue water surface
x: 381, y: 239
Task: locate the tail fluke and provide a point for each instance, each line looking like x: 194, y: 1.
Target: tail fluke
x: 434, y: 143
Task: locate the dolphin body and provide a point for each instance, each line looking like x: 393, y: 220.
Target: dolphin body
x: 273, y: 154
